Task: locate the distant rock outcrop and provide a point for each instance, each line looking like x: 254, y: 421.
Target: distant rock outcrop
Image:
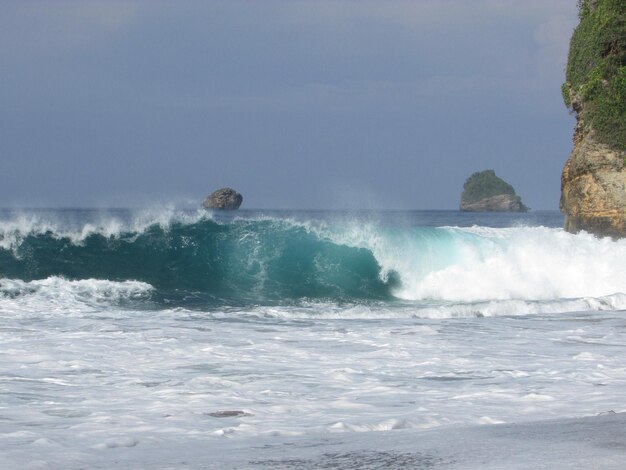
x: 224, y: 199
x: 485, y: 192
x: 593, y: 183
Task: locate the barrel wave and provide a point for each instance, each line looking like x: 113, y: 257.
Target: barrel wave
x: 406, y: 269
x: 242, y: 261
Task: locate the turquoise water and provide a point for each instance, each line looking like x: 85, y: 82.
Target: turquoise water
x: 249, y: 257
x: 145, y: 334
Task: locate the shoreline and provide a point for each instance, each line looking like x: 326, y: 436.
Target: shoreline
x: 589, y: 442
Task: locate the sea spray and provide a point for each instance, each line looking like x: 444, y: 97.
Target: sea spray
x: 471, y: 264
x: 538, y: 263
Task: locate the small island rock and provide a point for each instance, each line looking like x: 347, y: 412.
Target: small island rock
x: 485, y: 192
x: 224, y: 199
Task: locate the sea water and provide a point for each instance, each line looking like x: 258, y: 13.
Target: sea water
x: 169, y: 330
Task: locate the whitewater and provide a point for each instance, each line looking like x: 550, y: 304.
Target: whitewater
x: 293, y: 339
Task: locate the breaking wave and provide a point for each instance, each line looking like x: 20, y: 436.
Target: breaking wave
x: 197, y: 259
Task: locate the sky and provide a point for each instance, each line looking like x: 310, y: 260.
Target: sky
x: 345, y: 104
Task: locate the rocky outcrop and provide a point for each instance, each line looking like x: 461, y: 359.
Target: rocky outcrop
x: 223, y: 199
x: 593, y: 187
x: 593, y: 182
x: 498, y: 203
x: 485, y: 192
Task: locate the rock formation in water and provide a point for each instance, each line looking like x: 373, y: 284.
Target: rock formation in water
x: 593, y: 183
x: 224, y: 198
x: 485, y: 192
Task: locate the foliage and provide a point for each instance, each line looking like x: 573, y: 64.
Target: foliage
x: 485, y: 184
x: 584, y: 8
x: 596, y: 69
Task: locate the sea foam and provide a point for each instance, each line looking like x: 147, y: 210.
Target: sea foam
x: 479, y: 264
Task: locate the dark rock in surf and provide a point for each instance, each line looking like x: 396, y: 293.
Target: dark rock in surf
x: 223, y: 199
x: 228, y: 414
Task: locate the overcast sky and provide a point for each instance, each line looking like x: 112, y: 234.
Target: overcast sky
x: 296, y: 104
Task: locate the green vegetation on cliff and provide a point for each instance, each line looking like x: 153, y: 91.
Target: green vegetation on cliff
x: 595, y: 84
x: 484, y: 184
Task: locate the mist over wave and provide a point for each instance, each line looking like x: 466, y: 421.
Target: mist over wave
x: 189, y: 259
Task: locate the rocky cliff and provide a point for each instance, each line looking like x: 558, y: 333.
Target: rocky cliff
x: 593, y: 183
x: 484, y: 192
x: 498, y: 203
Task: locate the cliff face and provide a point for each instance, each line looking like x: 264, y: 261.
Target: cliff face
x: 499, y: 203
x: 593, y: 187
x: 593, y: 183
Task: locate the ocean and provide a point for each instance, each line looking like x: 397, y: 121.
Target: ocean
x: 173, y: 338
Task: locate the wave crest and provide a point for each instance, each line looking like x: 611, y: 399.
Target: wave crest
x: 194, y: 258
x: 243, y: 260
